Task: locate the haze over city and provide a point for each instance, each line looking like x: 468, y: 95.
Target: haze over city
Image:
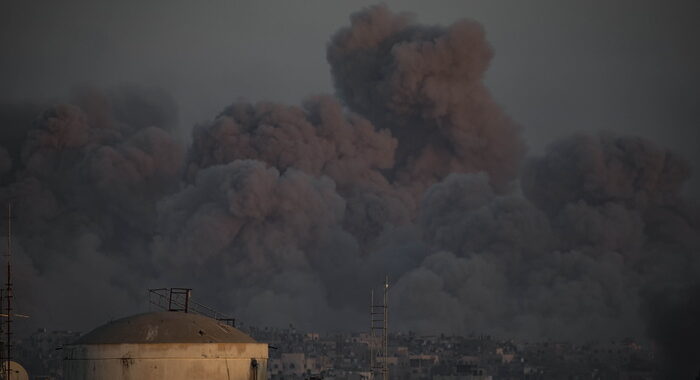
x: 524, y: 170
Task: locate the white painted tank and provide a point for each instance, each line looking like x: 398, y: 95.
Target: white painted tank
x: 17, y: 372
x: 165, y: 345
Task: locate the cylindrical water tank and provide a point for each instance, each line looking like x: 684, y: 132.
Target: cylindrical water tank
x: 17, y: 372
x: 165, y: 345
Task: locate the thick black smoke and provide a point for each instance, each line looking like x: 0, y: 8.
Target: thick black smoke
x: 283, y: 214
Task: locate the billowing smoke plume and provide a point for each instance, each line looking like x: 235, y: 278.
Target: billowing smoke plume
x: 283, y: 214
x: 318, y: 139
x: 15, y: 119
x: 425, y: 85
x: 84, y: 188
x: 602, y: 169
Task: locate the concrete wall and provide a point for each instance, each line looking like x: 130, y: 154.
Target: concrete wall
x: 166, y: 361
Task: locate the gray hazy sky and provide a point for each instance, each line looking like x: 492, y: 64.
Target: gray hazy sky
x: 632, y: 67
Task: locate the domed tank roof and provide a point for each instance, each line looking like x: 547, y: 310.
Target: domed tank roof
x: 165, y: 327
x: 17, y: 372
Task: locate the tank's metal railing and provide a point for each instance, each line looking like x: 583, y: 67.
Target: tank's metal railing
x: 179, y: 299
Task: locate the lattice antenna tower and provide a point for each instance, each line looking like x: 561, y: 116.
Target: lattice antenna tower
x: 379, y: 335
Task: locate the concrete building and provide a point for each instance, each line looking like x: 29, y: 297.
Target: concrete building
x: 41, y: 353
x: 294, y: 363
x: 166, y: 345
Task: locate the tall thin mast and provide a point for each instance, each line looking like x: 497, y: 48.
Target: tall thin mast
x: 2, y: 334
x: 385, y: 343
x: 371, y: 331
x: 8, y: 294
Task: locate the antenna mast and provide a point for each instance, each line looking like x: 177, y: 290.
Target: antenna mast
x: 385, y: 348
x: 2, y: 336
x: 379, y: 331
x: 371, y: 334
x: 8, y: 295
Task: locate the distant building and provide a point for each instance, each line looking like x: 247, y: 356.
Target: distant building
x: 462, y: 377
x: 41, y: 353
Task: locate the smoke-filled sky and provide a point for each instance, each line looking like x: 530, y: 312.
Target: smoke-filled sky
x: 628, y: 66
x: 517, y: 168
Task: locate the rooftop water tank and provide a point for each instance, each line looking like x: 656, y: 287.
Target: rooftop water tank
x: 17, y: 372
x: 166, y: 345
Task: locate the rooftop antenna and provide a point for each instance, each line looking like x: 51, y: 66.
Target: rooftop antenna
x: 379, y: 331
x: 6, y: 294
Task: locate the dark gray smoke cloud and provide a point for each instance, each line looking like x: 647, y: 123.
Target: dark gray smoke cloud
x: 425, y: 85
x: 5, y: 161
x: 255, y: 237
x: 84, y: 189
x: 319, y: 139
x: 16, y: 119
x: 283, y: 214
x: 605, y: 168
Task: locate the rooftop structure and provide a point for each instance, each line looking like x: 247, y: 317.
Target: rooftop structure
x: 165, y: 327
x: 170, y: 345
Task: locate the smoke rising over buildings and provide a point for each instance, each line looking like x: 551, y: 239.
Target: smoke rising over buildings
x: 285, y: 213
